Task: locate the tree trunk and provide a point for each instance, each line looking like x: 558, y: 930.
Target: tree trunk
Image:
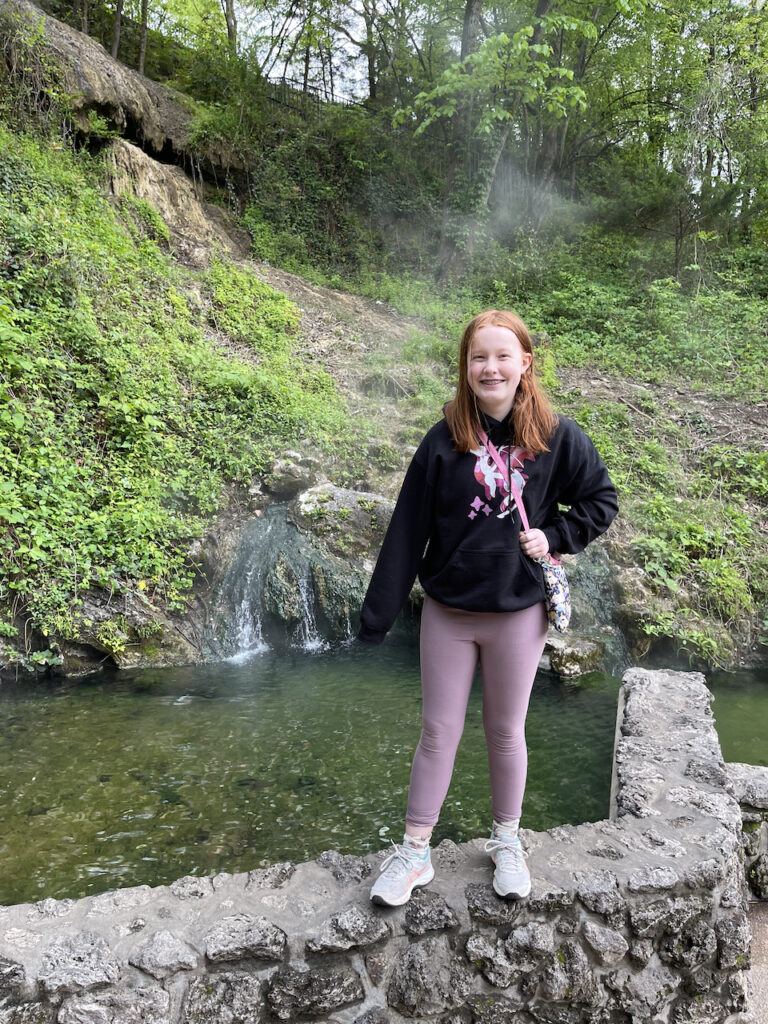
x: 228, y: 6
x: 116, y: 29
x: 143, y: 35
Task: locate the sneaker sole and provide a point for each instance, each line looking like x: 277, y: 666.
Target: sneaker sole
x: 424, y: 879
x: 512, y: 895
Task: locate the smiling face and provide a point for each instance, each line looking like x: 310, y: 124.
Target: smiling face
x: 495, y: 364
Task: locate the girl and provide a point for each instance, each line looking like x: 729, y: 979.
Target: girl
x: 457, y: 526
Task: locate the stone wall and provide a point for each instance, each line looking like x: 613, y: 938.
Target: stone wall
x: 638, y: 919
x: 750, y: 788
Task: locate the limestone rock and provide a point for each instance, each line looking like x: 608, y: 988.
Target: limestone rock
x: 349, y: 929
x: 295, y: 993
x: 568, y: 976
x: 750, y: 784
x: 344, y: 867
x: 666, y: 915
x: 651, y: 880
x: 231, y: 997
x: 273, y: 877
x: 130, y: 629
x: 642, y: 994
x: 490, y: 957
x: 131, y: 1006
x: 599, y: 891
x: 488, y: 908
x: 493, y: 1009
x: 427, y: 911
x: 12, y: 975
x: 241, y: 936
x: 292, y: 473
x: 698, y: 1011
x: 571, y: 656
x: 77, y: 963
x: 427, y: 978
x: 164, y: 954
x: 733, y: 941
x: 548, y: 896
x: 376, y: 1015
x: 758, y: 876
x: 192, y: 887
x: 693, y: 946
x: 29, y: 1013
x: 529, y: 944
x: 609, y: 945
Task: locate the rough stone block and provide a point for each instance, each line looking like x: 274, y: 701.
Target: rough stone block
x: 568, y: 976
x: 490, y: 958
x: 758, y: 876
x: 241, y: 936
x: 608, y: 945
x: 705, y: 874
x: 232, y: 997
x: 493, y: 1009
x: 488, y: 908
x: 733, y: 941
x: 666, y: 915
x: 427, y: 978
x: 273, y: 877
x: 164, y: 954
x: 428, y: 912
x: 693, y: 946
x: 750, y: 784
x: 149, y: 1005
x: 697, y: 1011
x: 349, y: 929
x: 345, y: 868
x: 599, y: 891
x: 376, y: 1015
x: 12, y: 975
x: 192, y: 887
x: 76, y: 964
x: 642, y: 994
x: 29, y: 1013
x: 313, y: 993
x: 547, y: 896
x: 655, y: 879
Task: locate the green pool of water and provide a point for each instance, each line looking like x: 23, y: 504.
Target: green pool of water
x: 740, y: 708
x: 142, y: 777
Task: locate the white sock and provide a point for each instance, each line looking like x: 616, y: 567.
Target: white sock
x: 420, y: 845
x: 508, y: 829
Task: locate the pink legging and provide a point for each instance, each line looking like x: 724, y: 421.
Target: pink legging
x: 508, y: 646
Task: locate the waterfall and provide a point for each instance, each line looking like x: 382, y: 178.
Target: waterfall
x: 265, y: 592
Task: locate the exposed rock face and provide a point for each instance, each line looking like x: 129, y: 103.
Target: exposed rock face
x: 750, y: 788
x: 654, y: 931
x: 152, y: 114
x: 194, y: 225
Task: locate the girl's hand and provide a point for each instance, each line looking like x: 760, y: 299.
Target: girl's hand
x: 534, y: 544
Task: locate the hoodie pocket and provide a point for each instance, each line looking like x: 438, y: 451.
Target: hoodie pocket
x: 485, y: 580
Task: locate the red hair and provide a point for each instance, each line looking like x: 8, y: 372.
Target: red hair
x: 531, y: 418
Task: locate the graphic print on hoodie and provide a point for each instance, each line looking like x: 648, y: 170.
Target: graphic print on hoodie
x: 490, y: 478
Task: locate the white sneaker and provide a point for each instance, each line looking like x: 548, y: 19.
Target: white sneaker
x: 404, y: 869
x: 511, y: 879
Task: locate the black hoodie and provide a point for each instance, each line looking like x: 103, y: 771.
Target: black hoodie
x: 456, y: 505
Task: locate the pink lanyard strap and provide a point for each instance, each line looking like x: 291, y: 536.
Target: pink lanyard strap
x: 508, y: 478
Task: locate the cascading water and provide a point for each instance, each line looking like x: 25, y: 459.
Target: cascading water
x: 266, y: 591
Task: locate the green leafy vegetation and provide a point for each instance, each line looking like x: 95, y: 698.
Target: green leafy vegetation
x: 130, y: 392
x: 604, y: 174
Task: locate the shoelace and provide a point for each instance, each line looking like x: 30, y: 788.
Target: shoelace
x: 401, y: 859
x: 511, y: 848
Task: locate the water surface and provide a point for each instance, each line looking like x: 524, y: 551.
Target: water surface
x: 141, y: 777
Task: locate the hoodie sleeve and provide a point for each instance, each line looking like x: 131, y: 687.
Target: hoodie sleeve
x: 583, y: 486
x: 400, y: 556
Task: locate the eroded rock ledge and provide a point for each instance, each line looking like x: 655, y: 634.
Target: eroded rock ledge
x: 638, y: 918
